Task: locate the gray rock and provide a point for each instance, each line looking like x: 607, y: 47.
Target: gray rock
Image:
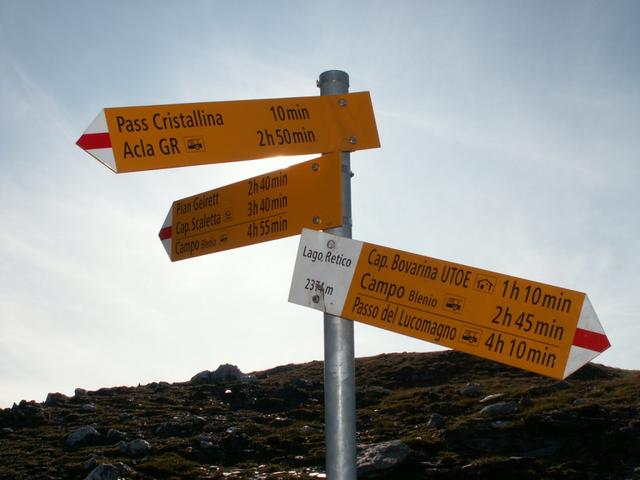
x: 491, y: 398
x: 88, y: 408
x: 436, y: 421
x: 91, y: 463
x: 202, y: 377
x: 32, y: 411
x: 82, y: 436
x: 227, y: 372
x: 471, y: 390
x: 7, y: 430
x: 224, y: 373
x: 80, y: 393
x: 114, y: 435
x: 117, y: 471
x: 55, y: 399
x: 163, y: 386
x: 498, y: 409
x: 135, y: 448
x: 381, y: 457
x: 206, y: 445
x: 103, y: 472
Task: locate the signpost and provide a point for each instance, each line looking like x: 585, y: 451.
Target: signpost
x: 339, y: 351
x: 129, y: 139
x: 541, y: 328
x: 270, y: 206
x: 549, y: 330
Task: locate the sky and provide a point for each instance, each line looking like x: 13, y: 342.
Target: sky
x: 509, y: 133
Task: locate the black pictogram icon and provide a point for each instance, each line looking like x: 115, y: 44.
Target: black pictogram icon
x: 485, y: 283
x: 194, y: 144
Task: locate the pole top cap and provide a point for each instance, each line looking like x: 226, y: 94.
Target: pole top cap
x: 333, y: 81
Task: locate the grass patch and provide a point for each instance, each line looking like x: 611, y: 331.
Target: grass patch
x: 170, y: 465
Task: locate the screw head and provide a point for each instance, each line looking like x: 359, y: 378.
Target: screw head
x: 317, y: 220
x: 315, y: 166
x: 315, y: 299
x: 342, y: 102
x: 331, y: 244
x: 353, y: 140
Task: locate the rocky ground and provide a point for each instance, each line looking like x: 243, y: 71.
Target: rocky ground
x: 443, y: 415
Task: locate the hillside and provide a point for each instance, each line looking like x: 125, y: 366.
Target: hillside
x: 454, y: 416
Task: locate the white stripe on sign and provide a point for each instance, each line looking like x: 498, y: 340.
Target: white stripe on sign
x: 99, y: 124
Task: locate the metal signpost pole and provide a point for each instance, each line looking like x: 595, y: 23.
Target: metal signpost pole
x: 339, y: 361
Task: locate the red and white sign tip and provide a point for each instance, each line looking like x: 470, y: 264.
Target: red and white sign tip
x: 589, y: 340
x: 97, y: 142
x: 166, y: 232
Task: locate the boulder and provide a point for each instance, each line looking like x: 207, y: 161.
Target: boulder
x: 79, y: 393
x: 499, y: 409
x: 29, y: 413
x: 135, y: 448
x: 55, y: 399
x: 116, y: 471
x: 471, y: 390
x: 91, y: 463
x: 227, y: 372
x: 114, y: 435
x: 224, y: 373
x: 436, y: 421
x: 381, y: 457
x: 202, y: 377
x: 82, y: 436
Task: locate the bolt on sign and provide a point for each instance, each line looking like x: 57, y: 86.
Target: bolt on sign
x: 270, y: 206
x: 129, y: 139
x: 541, y: 328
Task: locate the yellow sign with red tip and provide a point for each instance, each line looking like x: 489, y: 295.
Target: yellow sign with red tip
x: 130, y: 139
x: 270, y: 206
x: 537, y: 327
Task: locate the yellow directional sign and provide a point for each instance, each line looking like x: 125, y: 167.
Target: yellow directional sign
x: 270, y: 206
x: 542, y: 328
x: 129, y: 139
